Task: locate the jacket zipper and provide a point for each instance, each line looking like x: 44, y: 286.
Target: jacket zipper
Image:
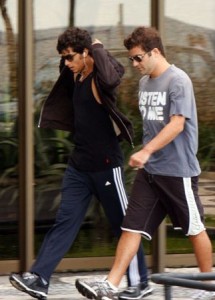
x: 98, y: 89
x: 131, y: 142
x: 41, y: 112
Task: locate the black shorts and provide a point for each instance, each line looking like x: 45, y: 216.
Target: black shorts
x: 153, y: 197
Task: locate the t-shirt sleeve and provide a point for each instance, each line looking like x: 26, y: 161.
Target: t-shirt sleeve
x: 181, y: 97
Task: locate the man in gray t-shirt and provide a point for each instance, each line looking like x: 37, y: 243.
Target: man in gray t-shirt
x: 167, y: 180
x: 160, y: 98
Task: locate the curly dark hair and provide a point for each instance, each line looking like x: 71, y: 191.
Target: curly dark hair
x: 76, y: 38
x: 147, y: 38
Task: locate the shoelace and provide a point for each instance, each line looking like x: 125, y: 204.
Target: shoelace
x: 104, y: 286
x: 28, y: 275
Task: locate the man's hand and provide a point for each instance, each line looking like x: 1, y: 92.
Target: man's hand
x: 96, y: 41
x: 138, y: 159
x: 163, y: 138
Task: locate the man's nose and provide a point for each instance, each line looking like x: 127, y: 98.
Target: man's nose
x: 135, y: 63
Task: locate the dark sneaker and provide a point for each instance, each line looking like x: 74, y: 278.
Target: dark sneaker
x: 98, y: 290
x: 136, y: 292
x: 145, y: 289
x: 30, y: 283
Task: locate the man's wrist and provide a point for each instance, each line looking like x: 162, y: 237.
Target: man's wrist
x: 148, y: 149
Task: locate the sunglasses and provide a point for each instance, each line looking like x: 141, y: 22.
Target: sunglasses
x: 138, y: 58
x: 69, y: 57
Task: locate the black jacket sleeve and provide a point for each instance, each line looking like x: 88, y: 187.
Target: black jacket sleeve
x: 109, y: 70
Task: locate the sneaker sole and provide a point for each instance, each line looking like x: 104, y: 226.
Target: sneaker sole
x: 23, y: 288
x: 85, y: 290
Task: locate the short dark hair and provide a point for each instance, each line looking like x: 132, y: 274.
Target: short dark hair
x: 76, y: 38
x: 147, y: 38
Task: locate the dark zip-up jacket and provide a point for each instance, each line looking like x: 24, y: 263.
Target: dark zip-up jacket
x: 57, y: 111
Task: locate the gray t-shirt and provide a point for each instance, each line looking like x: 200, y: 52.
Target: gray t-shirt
x: 159, y: 98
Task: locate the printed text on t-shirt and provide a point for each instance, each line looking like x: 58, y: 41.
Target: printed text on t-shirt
x: 151, y: 105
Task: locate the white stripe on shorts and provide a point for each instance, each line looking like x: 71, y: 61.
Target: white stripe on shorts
x: 195, y: 224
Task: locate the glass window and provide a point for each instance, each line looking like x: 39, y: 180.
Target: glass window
x: 8, y: 131
x: 189, y: 38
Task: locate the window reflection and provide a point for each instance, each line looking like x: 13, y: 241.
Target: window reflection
x: 189, y: 36
x: 8, y: 130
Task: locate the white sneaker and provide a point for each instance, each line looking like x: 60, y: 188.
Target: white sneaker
x: 98, y: 290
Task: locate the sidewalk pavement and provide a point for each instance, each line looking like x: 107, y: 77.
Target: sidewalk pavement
x: 62, y: 287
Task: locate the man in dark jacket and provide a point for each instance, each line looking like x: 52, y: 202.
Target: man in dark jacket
x: 83, y: 102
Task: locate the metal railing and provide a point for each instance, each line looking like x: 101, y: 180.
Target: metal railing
x: 192, y: 280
